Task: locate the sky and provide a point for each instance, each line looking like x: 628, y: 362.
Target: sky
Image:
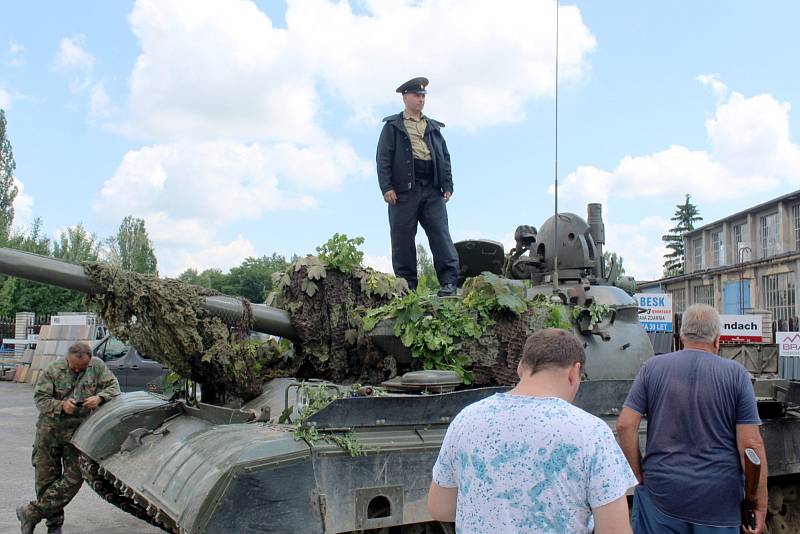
x: 240, y: 128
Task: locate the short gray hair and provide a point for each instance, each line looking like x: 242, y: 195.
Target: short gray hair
x: 700, y: 322
x: 79, y: 348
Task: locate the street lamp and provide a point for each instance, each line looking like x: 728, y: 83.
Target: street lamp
x: 740, y: 257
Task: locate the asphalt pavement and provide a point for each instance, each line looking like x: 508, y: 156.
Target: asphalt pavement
x: 86, y: 514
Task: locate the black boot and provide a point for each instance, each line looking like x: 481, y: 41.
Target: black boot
x: 55, y: 529
x: 28, y: 518
x: 447, y: 290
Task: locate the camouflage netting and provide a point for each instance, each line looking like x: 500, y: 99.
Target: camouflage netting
x: 327, y: 324
x: 495, y: 355
x: 166, y: 320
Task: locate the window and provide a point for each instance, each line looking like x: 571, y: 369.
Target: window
x: 741, y: 235
x: 716, y: 249
x: 678, y: 300
x: 796, y: 221
x: 697, y: 245
x: 704, y: 294
x: 769, y: 235
x: 779, y: 296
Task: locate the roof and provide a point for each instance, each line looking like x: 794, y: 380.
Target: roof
x: 791, y: 255
x: 794, y: 195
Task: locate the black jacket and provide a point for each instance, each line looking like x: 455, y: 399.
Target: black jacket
x: 395, y: 162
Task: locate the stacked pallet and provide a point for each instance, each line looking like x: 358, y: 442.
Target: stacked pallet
x: 23, y: 366
x: 54, y: 341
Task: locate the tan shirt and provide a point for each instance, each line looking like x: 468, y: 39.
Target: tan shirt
x: 416, y: 133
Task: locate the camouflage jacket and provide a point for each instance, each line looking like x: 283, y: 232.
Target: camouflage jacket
x: 58, y: 382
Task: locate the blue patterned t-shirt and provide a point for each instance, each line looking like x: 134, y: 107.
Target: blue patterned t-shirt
x: 530, y: 464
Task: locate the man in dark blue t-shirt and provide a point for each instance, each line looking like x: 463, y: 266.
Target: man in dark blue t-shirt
x: 701, y: 416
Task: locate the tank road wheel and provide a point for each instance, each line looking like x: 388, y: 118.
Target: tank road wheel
x: 783, y: 511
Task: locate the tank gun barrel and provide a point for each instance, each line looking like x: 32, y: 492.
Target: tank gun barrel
x: 52, y: 271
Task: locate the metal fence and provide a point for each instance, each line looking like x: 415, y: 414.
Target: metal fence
x: 8, y: 325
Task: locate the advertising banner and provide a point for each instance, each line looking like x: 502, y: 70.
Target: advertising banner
x: 741, y: 329
x: 657, y: 316
x: 70, y: 320
x: 788, y: 343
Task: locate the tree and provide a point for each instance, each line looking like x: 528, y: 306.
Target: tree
x: 8, y: 191
x: 251, y: 280
x: 607, y: 257
x: 75, y: 244
x: 210, y: 278
x: 426, y: 272
x: 131, y: 248
x: 35, y: 241
x: 686, y: 215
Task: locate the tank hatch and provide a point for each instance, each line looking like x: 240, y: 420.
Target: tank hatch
x: 478, y: 255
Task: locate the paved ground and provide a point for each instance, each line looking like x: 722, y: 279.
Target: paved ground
x: 86, y: 514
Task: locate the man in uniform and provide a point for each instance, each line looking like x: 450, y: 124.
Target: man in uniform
x: 66, y: 393
x: 416, y: 181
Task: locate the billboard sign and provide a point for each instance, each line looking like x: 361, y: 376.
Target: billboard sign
x: 657, y: 314
x: 788, y: 343
x: 741, y: 329
x: 70, y: 320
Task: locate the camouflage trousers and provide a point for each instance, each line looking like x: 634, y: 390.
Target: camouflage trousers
x: 58, y: 473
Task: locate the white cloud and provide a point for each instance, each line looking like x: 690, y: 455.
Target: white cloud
x: 73, y: 58
x: 639, y: 246
x: 71, y: 54
x: 192, y: 190
x: 234, y: 105
x: 99, y: 103
x: 225, y: 181
x: 220, y: 69
x: 172, y: 261
x: 484, y: 62
x: 750, y: 136
x: 379, y: 263
x: 15, y: 54
x: 716, y: 85
x: 751, y: 152
x: 184, y: 243
x: 23, y: 206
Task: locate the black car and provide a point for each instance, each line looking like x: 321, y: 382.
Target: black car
x: 134, y: 371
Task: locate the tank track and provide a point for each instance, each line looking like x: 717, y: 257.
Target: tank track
x: 783, y: 511
x: 116, y: 492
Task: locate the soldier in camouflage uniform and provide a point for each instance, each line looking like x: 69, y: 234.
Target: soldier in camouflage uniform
x: 68, y: 390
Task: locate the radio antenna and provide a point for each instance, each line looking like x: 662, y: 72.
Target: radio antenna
x: 555, y: 243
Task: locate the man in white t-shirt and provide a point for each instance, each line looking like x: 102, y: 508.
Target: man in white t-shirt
x: 528, y: 460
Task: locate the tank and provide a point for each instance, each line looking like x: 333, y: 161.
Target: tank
x: 310, y: 454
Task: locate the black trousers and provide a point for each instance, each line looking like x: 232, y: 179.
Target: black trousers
x: 424, y: 205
